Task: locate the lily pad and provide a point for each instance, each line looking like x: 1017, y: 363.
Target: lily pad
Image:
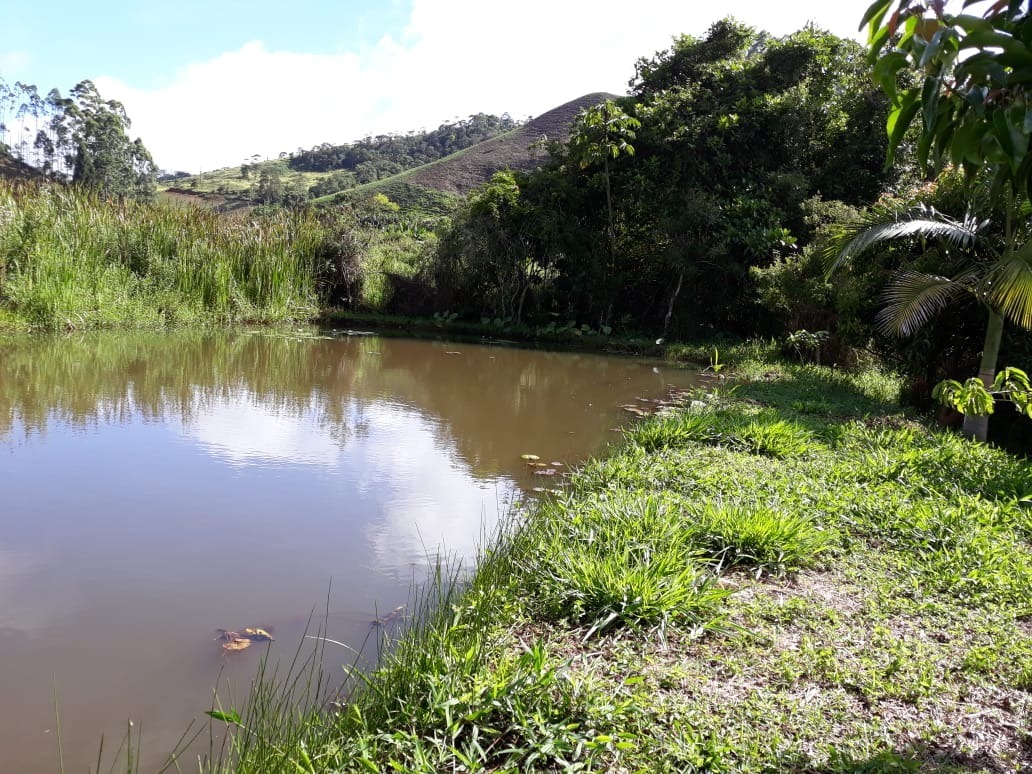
x: 530, y: 457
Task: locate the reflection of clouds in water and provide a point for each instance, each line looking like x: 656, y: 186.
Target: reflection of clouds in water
x: 244, y: 429
x: 430, y: 502
x: 27, y: 602
x: 424, y: 498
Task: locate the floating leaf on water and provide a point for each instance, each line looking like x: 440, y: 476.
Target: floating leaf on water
x: 530, y: 457
x: 236, y: 644
x: 453, y: 353
x: 546, y: 472
x: 231, y: 639
x: 256, y: 635
x: 556, y: 464
x: 538, y: 464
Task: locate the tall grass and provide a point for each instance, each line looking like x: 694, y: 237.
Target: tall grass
x: 69, y: 260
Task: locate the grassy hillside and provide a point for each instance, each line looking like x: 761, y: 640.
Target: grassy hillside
x: 461, y: 172
x: 465, y: 170
x: 427, y: 189
x: 229, y: 181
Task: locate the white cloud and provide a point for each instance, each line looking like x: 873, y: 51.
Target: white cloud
x: 454, y: 58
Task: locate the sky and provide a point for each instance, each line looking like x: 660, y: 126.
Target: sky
x: 210, y: 84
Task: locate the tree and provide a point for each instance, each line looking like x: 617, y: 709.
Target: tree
x: 968, y: 77
x: 90, y: 133
x: 270, y: 186
x: 600, y: 133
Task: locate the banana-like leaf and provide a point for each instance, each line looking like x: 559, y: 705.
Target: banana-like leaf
x: 882, y: 226
x: 913, y: 298
x: 1008, y: 286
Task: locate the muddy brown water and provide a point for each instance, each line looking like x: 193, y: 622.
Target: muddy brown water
x: 156, y: 487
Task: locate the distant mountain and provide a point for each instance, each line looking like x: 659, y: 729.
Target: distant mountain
x: 430, y: 187
x: 463, y: 171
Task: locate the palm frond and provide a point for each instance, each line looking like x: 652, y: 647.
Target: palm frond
x: 1008, y: 285
x: 913, y: 298
x: 885, y: 225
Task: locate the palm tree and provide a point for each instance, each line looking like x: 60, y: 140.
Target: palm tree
x: 1000, y: 280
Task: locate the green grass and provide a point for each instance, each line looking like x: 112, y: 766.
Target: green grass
x: 70, y: 261
x: 228, y: 180
x: 750, y: 584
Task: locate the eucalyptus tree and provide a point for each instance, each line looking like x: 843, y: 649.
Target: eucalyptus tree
x: 968, y: 76
x: 87, y: 137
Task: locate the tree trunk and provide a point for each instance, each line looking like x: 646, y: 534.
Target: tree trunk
x: 519, y: 307
x: 670, y: 306
x: 609, y: 212
x: 976, y: 426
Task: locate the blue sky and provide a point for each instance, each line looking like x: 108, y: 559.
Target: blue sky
x: 208, y: 84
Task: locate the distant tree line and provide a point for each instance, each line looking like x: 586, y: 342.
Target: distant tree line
x: 373, y: 158
x: 81, y: 138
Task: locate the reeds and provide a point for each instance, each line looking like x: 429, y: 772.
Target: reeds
x: 69, y: 260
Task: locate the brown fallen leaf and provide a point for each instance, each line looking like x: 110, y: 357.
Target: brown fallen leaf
x: 236, y: 644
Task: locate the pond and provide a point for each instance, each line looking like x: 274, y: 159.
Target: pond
x: 158, y: 487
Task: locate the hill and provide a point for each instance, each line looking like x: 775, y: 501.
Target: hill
x: 463, y: 171
x: 427, y: 188
x: 13, y: 169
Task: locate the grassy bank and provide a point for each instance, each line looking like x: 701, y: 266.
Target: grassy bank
x: 71, y: 261
x: 786, y: 575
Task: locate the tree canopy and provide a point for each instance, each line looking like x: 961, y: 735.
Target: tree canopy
x: 82, y: 138
x: 732, y: 133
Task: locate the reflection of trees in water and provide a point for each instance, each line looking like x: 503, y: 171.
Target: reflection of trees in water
x: 114, y: 377
x: 491, y: 402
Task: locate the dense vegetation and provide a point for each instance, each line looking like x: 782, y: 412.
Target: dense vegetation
x: 68, y: 260
x: 716, y: 162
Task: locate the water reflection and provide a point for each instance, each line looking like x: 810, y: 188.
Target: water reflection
x: 240, y: 429
x: 157, y: 487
